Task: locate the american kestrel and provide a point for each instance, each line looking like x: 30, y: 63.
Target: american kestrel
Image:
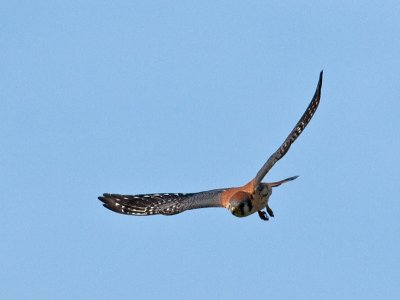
x: 240, y: 201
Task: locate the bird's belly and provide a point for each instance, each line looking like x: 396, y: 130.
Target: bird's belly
x: 258, y: 204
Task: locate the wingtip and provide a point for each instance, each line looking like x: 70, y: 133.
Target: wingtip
x: 292, y: 178
x: 317, y: 94
x: 112, y: 208
x: 321, y: 75
x: 103, y: 197
x: 278, y: 183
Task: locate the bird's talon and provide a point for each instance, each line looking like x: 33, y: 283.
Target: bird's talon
x: 263, y: 215
x: 270, y: 212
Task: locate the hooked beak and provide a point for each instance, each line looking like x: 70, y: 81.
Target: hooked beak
x: 278, y: 183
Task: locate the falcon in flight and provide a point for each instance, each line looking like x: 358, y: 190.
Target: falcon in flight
x: 240, y: 201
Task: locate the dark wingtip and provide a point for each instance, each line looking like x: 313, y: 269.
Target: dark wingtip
x: 321, y: 74
x: 106, y: 199
x: 291, y: 178
x: 103, y: 198
x: 278, y: 183
x: 112, y: 208
x: 317, y: 94
x: 109, y: 203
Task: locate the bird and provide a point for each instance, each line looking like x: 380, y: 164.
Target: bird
x: 240, y: 201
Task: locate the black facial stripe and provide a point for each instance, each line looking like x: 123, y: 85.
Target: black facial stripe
x: 241, y: 208
x: 250, y: 205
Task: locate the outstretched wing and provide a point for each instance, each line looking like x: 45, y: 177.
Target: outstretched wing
x: 297, y: 130
x: 165, y: 204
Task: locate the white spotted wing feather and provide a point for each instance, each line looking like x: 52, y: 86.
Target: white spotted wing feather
x: 164, y: 204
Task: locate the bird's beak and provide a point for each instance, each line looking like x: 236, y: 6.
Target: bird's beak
x: 278, y: 183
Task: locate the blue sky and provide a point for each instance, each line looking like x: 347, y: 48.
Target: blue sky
x: 149, y: 96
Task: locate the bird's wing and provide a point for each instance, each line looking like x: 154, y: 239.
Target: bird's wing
x: 165, y: 204
x: 297, y: 130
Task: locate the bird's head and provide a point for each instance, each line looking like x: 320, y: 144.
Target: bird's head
x: 240, y: 205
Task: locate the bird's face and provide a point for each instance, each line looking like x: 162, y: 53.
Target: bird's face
x: 241, y: 204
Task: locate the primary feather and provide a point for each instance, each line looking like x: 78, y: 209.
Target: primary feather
x: 164, y: 204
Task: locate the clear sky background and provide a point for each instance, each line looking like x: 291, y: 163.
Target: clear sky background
x: 150, y: 96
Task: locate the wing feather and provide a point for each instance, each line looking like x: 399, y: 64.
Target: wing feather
x: 294, y: 134
x: 165, y: 204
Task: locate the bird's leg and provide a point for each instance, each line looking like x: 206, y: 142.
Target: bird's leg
x: 263, y: 215
x: 270, y: 212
